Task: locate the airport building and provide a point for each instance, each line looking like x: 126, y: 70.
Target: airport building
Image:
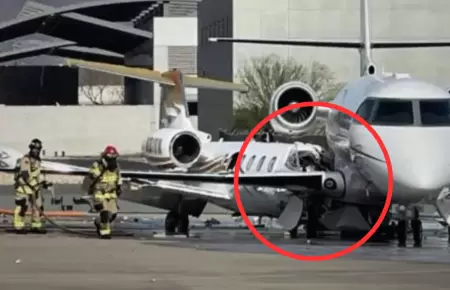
x: 168, y: 34
x: 153, y: 34
x: 324, y: 19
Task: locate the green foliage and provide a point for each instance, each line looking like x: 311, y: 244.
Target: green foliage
x: 262, y: 75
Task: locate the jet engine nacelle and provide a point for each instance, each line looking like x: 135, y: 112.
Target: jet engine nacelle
x: 175, y: 147
x: 294, y: 122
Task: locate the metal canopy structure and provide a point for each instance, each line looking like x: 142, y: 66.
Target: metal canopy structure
x: 63, y: 49
x: 77, y: 23
x: 90, y: 54
x: 120, y: 11
x: 47, y: 32
x: 91, y: 32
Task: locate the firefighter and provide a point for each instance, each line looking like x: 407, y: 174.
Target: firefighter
x: 104, y: 184
x: 28, y: 182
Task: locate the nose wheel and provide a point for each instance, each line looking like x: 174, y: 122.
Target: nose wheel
x: 417, y: 230
x: 416, y: 227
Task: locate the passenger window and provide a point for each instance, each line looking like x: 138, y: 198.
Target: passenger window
x: 260, y: 163
x: 435, y: 112
x: 271, y: 164
x: 394, y: 113
x: 250, y: 162
x: 155, y: 145
x: 149, y: 145
x: 365, y: 110
x: 159, y: 146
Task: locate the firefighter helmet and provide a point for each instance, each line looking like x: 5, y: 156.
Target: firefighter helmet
x: 110, y: 151
x: 35, y: 144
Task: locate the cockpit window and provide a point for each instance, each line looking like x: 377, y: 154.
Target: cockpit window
x: 435, y: 112
x: 393, y: 112
x: 365, y: 110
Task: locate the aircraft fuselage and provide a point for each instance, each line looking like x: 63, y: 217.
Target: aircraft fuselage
x: 420, y: 165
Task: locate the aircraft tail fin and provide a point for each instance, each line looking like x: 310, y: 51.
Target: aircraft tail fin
x: 173, y: 106
x: 364, y: 45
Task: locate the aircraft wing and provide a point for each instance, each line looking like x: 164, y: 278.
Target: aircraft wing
x: 330, y: 182
x: 155, y: 76
x: 357, y: 44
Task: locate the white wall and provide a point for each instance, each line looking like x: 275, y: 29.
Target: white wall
x: 175, y: 31
x: 77, y: 130
x: 339, y: 19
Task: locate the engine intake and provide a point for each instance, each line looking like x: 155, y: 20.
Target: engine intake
x: 185, y: 148
x: 296, y: 121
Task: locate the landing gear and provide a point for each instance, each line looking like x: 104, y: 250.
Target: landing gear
x: 293, y: 234
x: 313, y: 220
x: 177, y: 223
x: 402, y: 227
x: 416, y: 226
x: 312, y: 208
x: 402, y: 233
x: 448, y: 230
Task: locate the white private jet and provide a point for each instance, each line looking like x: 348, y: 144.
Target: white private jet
x: 281, y: 180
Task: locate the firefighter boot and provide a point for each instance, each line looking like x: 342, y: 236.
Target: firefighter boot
x: 19, y: 216
x: 105, y: 229
x: 37, y: 228
x: 97, y: 226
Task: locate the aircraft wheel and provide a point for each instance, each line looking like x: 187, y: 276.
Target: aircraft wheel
x: 171, y: 223
x: 293, y: 234
x: 417, y: 230
x: 401, y: 233
x: 183, y: 225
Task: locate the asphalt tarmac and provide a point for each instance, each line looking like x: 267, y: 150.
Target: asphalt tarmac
x: 58, y: 261
x: 210, y: 259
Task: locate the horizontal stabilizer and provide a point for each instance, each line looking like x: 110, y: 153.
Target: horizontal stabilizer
x: 336, y: 43
x: 155, y: 76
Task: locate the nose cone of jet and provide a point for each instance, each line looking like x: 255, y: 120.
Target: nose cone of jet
x: 423, y: 174
x: 420, y: 160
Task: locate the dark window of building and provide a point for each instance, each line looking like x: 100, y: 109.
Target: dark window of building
x: 192, y: 108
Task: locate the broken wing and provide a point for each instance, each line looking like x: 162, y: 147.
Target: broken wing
x: 155, y: 76
x: 329, y: 183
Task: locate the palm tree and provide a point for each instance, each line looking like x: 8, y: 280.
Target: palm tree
x: 262, y: 75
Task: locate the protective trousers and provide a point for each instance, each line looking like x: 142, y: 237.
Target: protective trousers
x: 106, y: 205
x: 23, y: 202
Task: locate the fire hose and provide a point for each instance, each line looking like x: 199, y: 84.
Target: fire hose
x: 56, y: 201
x: 59, y: 201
